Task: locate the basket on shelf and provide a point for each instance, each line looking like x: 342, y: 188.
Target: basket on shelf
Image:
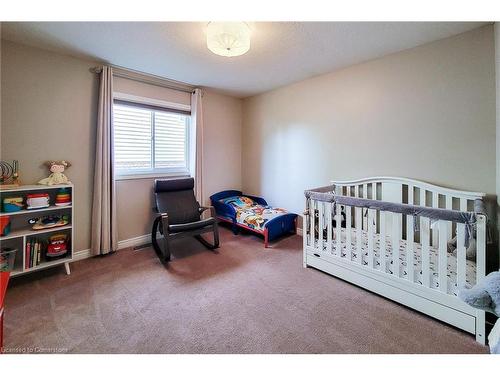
x: 7, y: 257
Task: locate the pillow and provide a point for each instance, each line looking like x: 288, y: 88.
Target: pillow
x: 239, y: 201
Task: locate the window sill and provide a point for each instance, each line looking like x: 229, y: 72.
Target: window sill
x: 148, y: 176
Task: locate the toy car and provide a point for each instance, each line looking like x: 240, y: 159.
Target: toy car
x: 58, y: 245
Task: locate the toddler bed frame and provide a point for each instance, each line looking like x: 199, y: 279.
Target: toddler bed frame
x: 393, y: 208
x: 273, y: 228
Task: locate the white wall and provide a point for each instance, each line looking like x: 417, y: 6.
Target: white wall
x: 222, y: 143
x: 129, y: 86
x: 426, y: 113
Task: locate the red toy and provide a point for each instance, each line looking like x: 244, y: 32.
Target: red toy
x: 58, y: 245
x: 7, y: 257
x: 4, y: 225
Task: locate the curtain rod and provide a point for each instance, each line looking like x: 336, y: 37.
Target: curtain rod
x: 151, y: 79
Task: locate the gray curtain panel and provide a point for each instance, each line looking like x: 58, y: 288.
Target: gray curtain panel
x: 104, y: 230
x: 197, y: 129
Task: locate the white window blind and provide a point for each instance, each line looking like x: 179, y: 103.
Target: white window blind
x: 149, y: 140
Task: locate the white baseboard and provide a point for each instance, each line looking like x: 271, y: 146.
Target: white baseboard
x: 123, y: 244
x: 81, y: 254
x: 130, y: 242
x: 135, y: 241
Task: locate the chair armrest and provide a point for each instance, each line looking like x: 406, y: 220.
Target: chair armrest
x: 211, y: 208
x: 164, y: 223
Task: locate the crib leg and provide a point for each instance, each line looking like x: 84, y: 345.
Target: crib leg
x: 266, y: 238
x: 481, y: 327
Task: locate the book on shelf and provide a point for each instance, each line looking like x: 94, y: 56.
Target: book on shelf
x: 28, y: 252
x: 34, y: 249
x: 38, y: 254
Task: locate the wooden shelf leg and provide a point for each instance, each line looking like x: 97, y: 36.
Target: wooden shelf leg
x: 66, y: 266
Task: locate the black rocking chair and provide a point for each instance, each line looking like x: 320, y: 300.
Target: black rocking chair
x: 180, y: 216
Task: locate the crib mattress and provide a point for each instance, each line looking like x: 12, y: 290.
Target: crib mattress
x: 352, y: 254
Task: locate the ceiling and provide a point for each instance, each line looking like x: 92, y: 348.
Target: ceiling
x: 280, y: 53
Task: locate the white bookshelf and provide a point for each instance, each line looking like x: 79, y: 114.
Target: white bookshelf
x: 22, y: 232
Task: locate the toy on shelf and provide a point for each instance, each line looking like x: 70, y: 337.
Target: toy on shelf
x: 58, y: 245
x: 63, y: 197
x: 4, y: 225
x: 47, y: 222
x: 7, y: 257
x: 57, y: 176
x: 10, y: 174
x: 12, y: 204
x: 39, y: 200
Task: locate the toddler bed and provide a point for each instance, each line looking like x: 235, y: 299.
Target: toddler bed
x: 396, y: 238
x: 254, y: 214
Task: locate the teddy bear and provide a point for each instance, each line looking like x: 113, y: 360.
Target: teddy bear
x: 470, y: 252
x: 57, y: 176
x: 485, y: 295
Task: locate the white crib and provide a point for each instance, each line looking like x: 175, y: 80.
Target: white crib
x: 357, y: 252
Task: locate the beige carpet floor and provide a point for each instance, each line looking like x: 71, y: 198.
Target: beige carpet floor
x: 242, y: 299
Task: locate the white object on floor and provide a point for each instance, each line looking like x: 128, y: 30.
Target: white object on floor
x: 428, y: 284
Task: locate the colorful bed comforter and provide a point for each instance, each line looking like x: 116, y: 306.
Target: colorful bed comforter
x: 251, y: 214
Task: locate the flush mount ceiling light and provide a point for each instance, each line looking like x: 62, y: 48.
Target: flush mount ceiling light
x: 228, y: 38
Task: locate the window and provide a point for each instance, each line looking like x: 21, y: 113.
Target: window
x: 149, y: 140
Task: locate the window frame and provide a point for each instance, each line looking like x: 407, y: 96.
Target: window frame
x: 155, y: 106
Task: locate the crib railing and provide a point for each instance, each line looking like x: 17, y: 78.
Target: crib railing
x: 352, y: 232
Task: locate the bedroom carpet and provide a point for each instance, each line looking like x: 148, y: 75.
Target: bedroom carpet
x: 242, y: 299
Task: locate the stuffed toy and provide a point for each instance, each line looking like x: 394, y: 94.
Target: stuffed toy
x: 57, y: 176
x: 470, y: 252
x: 486, y: 296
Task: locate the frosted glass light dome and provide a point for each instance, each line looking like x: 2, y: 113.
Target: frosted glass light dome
x: 228, y: 38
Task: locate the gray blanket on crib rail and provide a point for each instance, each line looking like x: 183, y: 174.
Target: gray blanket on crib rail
x: 326, y: 194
